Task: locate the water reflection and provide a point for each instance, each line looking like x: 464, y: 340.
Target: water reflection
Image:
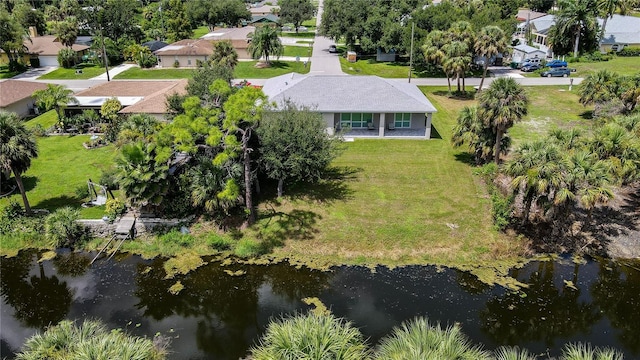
x: 218, y: 316
x: 550, y: 308
x: 38, y: 300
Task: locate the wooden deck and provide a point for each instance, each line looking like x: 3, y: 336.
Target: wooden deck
x: 126, y: 225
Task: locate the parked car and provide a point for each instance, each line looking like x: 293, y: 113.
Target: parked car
x: 303, y: 29
x: 556, y: 63
x: 286, y: 28
x: 333, y: 49
x: 531, y: 61
x: 564, y: 72
x: 530, y: 67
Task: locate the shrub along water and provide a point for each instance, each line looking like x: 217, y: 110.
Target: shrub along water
x: 317, y: 336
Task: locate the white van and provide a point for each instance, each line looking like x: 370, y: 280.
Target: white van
x: 531, y: 61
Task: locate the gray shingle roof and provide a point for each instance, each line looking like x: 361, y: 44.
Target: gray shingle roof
x: 621, y: 30
x: 343, y: 93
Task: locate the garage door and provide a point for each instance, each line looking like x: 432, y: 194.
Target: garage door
x: 48, y: 60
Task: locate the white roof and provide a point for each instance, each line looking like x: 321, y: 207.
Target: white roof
x: 95, y: 101
x: 527, y: 49
x: 343, y: 93
x: 621, y: 30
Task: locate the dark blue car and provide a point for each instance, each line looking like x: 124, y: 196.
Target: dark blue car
x: 556, y: 63
x: 564, y: 72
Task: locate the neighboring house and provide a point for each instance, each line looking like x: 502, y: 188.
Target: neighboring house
x: 16, y: 96
x: 621, y: 31
x: 528, y: 15
x: 539, y: 30
x: 262, y: 20
x: 154, y: 45
x: 239, y: 38
x: 366, y: 106
x: 264, y: 10
x: 184, y: 53
x: 524, y: 52
x: 46, y: 48
x: 135, y: 96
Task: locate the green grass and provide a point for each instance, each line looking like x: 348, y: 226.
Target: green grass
x: 70, y: 74
x: 551, y: 107
x: 372, y: 67
x: 244, y: 70
x: 293, y: 34
x: 302, y: 51
x: 6, y: 74
x: 200, y: 31
x: 311, y: 24
x: 247, y: 69
x: 138, y: 73
x: 63, y: 165
x: 400, y: 202
x: 623, y: 65
x: 45, y: 120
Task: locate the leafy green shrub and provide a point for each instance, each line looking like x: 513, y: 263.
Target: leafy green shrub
x: 91, y: 340
x: 115, y: 208
x: 109, y: 179
x: 176, y: 64
x: 249, y: 248
x: 82, y: 192
x: 313, y: 337
x: 67, y: 58
x: 39, y: 130
x: 146, y: 61
x: 8, y: 216
x: 62, y: 229
x: 501, y: 206
x: 176, y: 237
x: 629, y: 51
x: 218, y: 242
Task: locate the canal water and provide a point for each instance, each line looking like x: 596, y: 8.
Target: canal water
x: 219, y: 316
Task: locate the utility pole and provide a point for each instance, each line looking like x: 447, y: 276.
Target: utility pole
x: 413, y: 27
x: 104, y: 53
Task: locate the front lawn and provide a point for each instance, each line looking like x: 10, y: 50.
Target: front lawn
x: 70, y: 74
x: 293, y: 34
x: 372, y: 67
x: 200, y: 31
x: 248, y: 70
x: 551, y: 107
x: 6, y: 74
x: 623, y: 65
x: 137, y: 73
x: 62, y: 166
x: 302, y: 51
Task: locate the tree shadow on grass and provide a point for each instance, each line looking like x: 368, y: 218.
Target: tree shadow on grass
x: 280, y: 226
x: 332, y: 187
x: 456, y: 95
x: 466, y: 158
x: 55, y: 203
x: 587, y: 115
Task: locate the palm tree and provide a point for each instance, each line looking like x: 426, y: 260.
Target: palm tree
x: 599, y: 87
x: 574, y: 17
x: 55, y: 97
x: 265, y: 42
x: 471, y: 129
x: 502, y: 104
x: 433, y: 52
x: 490, y: 42
x: 457, y: 60
x: 17, y: 148
x: 224, y: 54
x: 535, y: 171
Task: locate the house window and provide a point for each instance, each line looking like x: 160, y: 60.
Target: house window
x: 188, y: 61
x: 355, y: 120
x: 403, y: 120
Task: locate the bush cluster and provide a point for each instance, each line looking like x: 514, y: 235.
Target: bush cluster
x: 630, y: 51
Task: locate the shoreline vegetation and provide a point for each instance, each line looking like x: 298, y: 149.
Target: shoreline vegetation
x: 385, y: 202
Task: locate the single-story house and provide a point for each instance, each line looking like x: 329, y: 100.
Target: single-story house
x: 365, y: 106
x: 264, y: 10
x: 239, y: 38
x: 46, y: 48
x: 528, y: 15
x: 621, y: 31
x: 184, y: 53
x: 16, y: 96
x: 523, y: 52
x: 135, y: 96
x: 539, y: 29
